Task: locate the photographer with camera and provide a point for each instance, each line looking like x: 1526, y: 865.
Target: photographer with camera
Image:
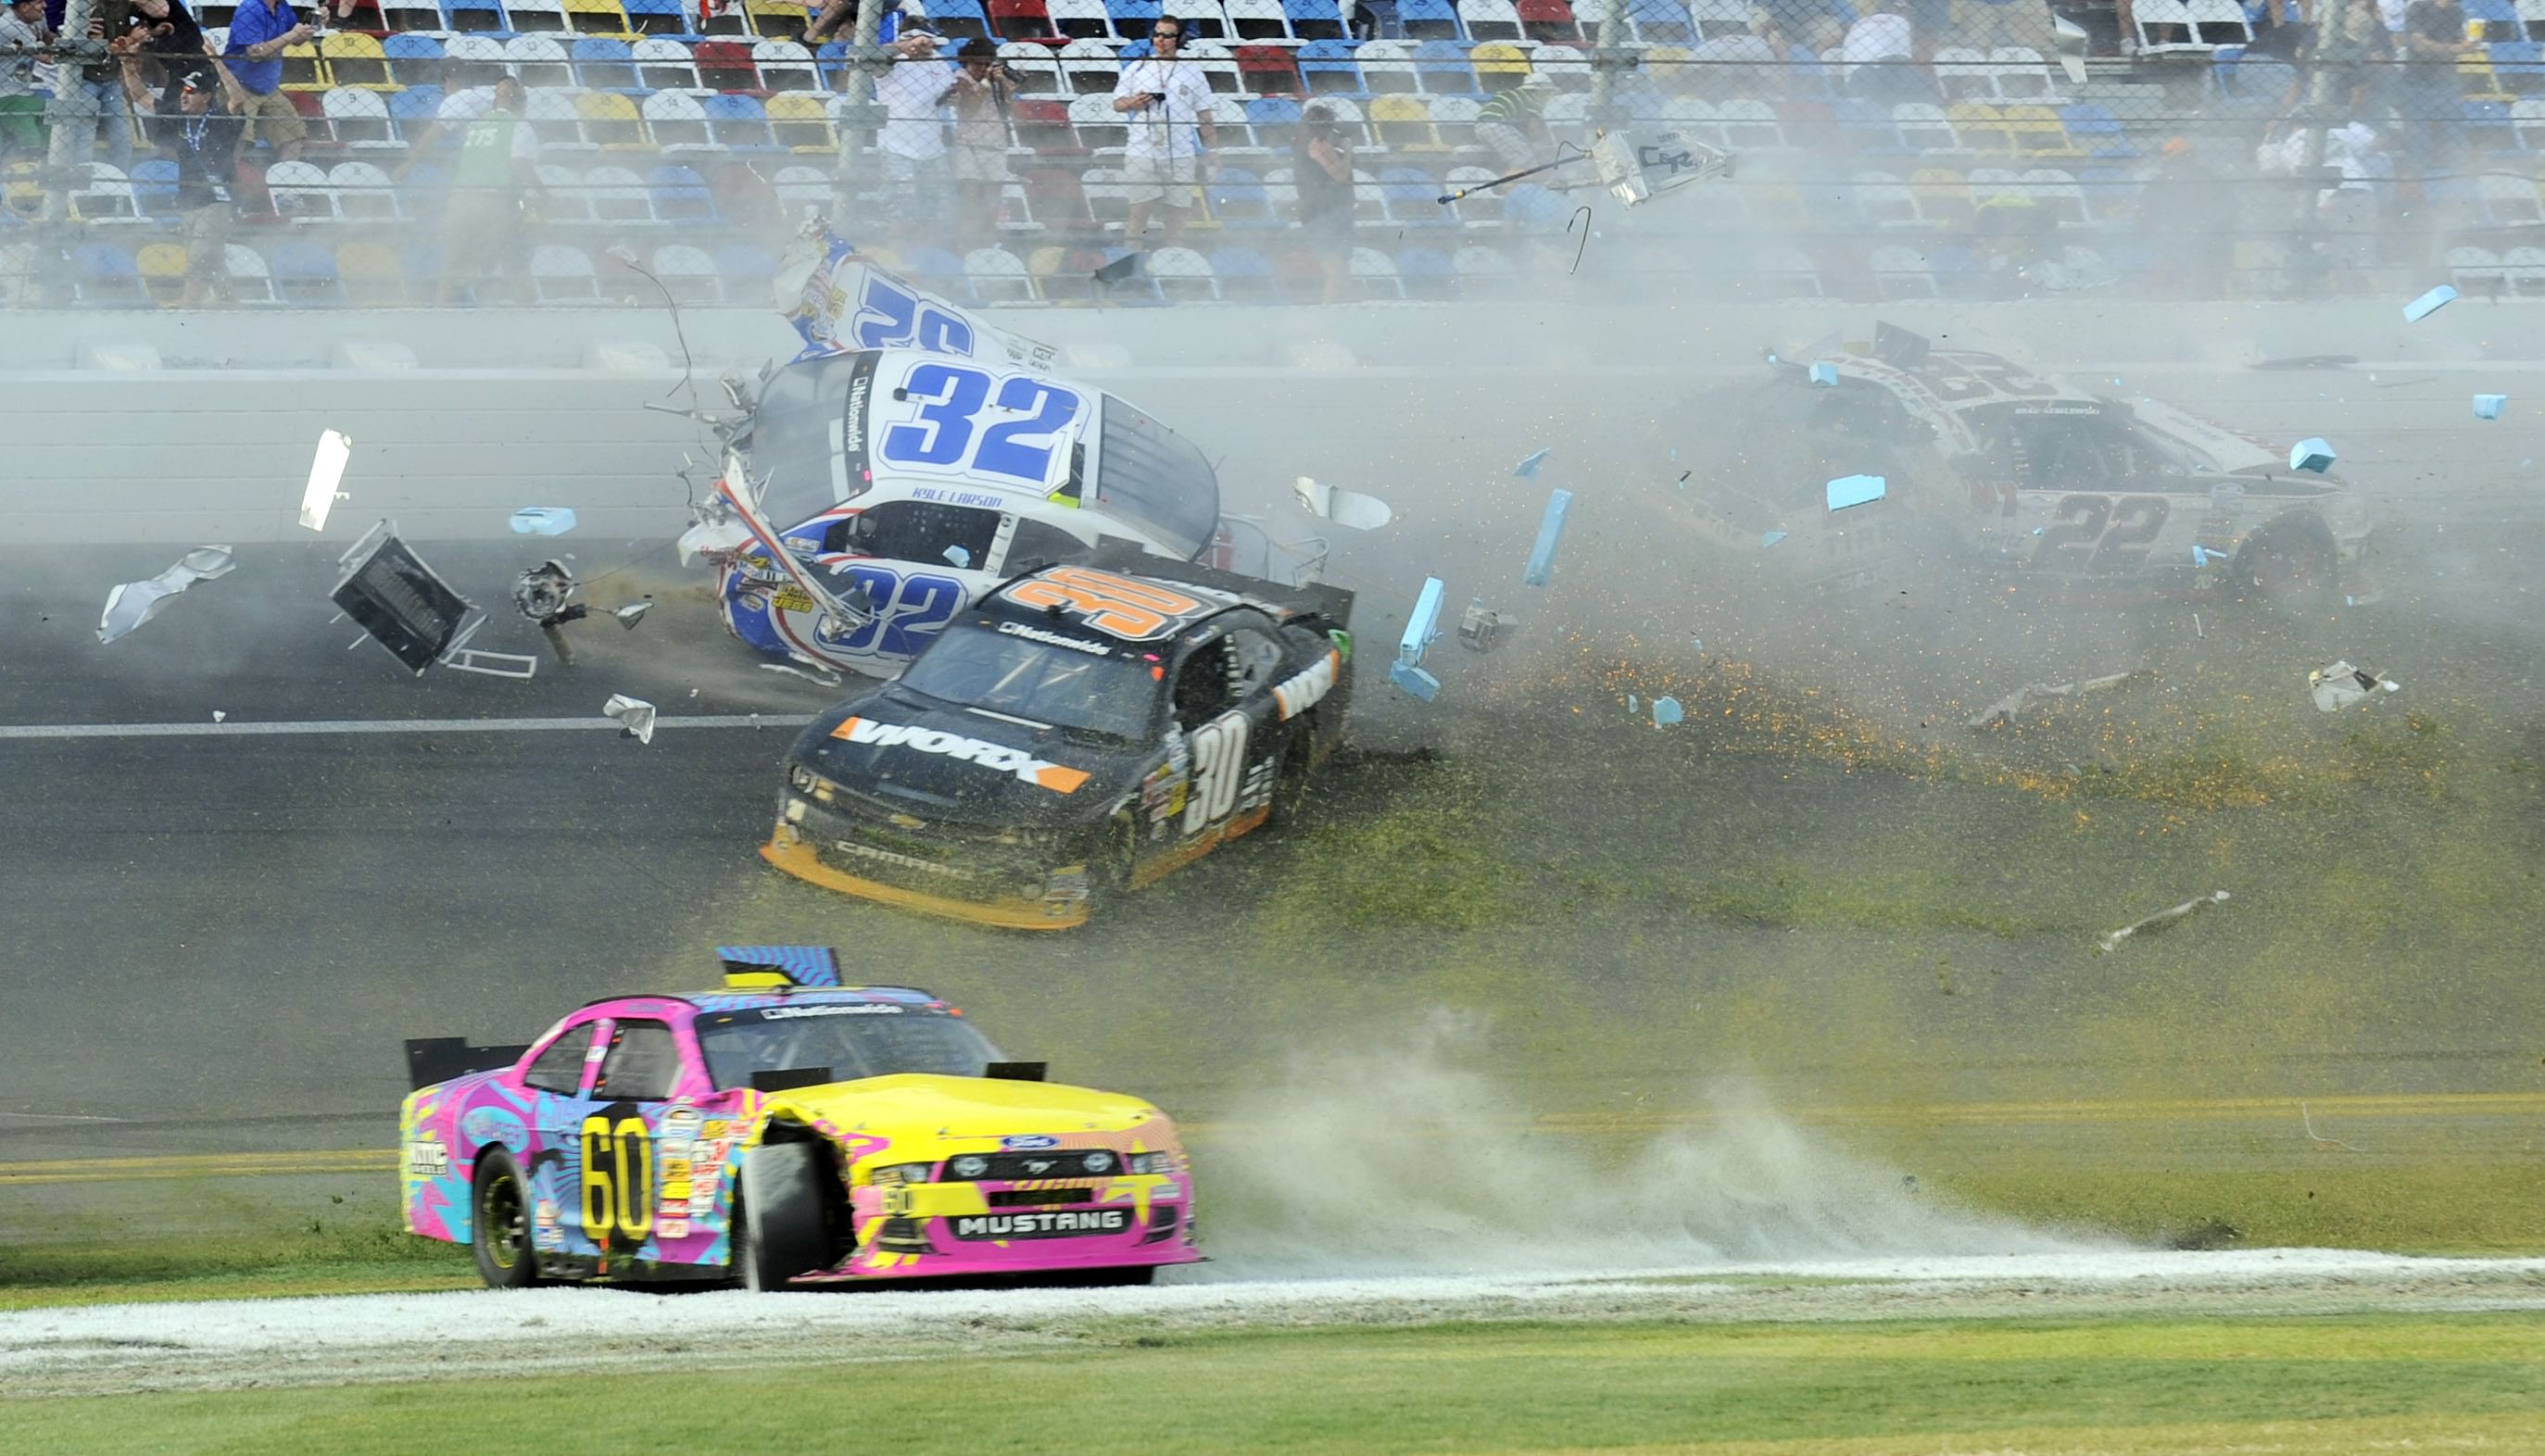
x: 1168, y: 106
x: 982, y: 90
x: 1320, y: 165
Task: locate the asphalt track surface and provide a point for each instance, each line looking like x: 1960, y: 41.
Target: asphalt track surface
x: 219, y: 935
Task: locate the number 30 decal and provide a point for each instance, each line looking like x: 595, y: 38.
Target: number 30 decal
x: 1219, y: 758
x: 2096, y: 533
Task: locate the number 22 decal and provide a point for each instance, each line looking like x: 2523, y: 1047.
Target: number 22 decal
x: 1218, y: 755
x: 888, y: 318
x: 2096, y: 533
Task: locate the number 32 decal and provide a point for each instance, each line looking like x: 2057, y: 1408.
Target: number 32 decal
x: 942, y: 439
x: 2098, y: 534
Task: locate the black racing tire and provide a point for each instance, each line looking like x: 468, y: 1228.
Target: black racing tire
x: 1290, y: 778
x: 499, y: 1227
x: 1115, y: 857
x: 2290, y: 567
x: 778, y: 1231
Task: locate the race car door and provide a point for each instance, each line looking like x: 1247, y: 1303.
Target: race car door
x: 556, y: 1080
x: 653, y: 1147
x: 1222, y: 705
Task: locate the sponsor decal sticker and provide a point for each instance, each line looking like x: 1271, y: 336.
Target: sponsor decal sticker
x: 426, y: 1158
x: 1300, y: 694
x: 855, y: 1009
x: 1005, y: 1225
x: 672, y: 1227
x: 1031, y: 1141
x: 996, y: 756
x: 1053, y: 639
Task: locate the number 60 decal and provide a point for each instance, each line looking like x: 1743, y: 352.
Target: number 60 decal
x: 618, y: 1181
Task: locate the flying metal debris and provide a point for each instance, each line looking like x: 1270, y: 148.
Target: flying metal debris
x: 1854, y: 490
x: 1342, y: 507
x: 401, y: 603
x: 2161, y: 920
x: 542, y: 520
x: 2429, y: 303
x: 2311, y: 455
x: 1481, y: 627
x: 632, y: 613
x: 1550, y: 534
x: 2337, y: 685
x: 1421, y: 631
x: 2013, y: 703
x: 812, y: 673
x: 326, y: 474
x: 635, y: 715
x: 1527, y: 469
x: 2488, y: 406
x: 1768, y: 539
x: 131, y: 604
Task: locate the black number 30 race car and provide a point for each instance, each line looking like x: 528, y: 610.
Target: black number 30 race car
x: 1079, y: 732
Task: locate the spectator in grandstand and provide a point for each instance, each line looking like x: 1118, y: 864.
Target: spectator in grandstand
x: 1376, y: 19
x: 1733, y: 67
x: 1321, y: 167
x: 166, y: 31
x: 2427, y: 87
x: 1169, y: 103
x: 488, y: 227
x: 912, y: 141
x: 260, y: 31
x: 1512, y: 121
x: 2360, y: 51
x: 22, y: 111
x: 2279, y: 26
x: 982, y: 90
x: 1798, y: 16
x: 1879, y: 58
x: 831, y: 17
x: 203, y: 135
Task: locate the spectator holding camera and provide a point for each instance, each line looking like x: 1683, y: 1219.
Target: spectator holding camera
x: 1321, y: 167
x: 260, y: 31
x: 982, y: 89
x: 1168, y: 104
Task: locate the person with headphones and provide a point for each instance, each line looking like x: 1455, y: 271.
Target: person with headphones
x: 1169, y: 103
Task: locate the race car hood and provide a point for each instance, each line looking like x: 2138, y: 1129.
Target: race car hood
x: 935, y: 761
x: 922, y: 1115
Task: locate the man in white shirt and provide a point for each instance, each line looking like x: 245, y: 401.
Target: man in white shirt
x: 912, y: 140
x: 1878, y: 58
x: 1166, y: 102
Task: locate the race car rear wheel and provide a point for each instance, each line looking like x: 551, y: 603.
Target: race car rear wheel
x: 778, y: 1231
x: 500, y: 1225
x: 2288, y: 567
x: 1291, y: 779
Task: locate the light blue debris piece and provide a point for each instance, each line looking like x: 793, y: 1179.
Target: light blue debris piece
x: 1769, y: 538
x: 1666, y: 711
x: 2200, y: 557
x: 1423, y: 628
x: 1854, y: 490
x: 959, y: 555
x: 2429, y: 303
x: 2488, y: 406
x: 1550, y: 534
x: 1825, y: 373
x: 1697, y: 644
x: 1634, y: 705
x: 2311, y: 455
x: 1414, y: 680
x: 542, y: 520
x: 1527, y: 469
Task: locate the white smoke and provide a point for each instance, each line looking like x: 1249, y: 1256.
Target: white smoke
x: 1406, y: 1158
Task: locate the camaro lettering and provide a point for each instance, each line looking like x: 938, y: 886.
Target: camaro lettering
x: 1042, y: 1225
x: 1053, y: 639
x: 1301, y: 693
x: 992, y: 756
x: 906, y: 861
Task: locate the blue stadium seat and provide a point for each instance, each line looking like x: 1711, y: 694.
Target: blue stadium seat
x: 1314, y: 20
x: 305, y: 273
x: 658, y: 17
x: 1131, y: 17
x: 1426, y: 273
x: 1430, y: 20
x: 959, y: 19
x: 2485, y: 126
x: 413, y: 108
x: 154, y: 186
x: 1661, y: 22
x: 108, y: 276
x: 739, y: 124
x: 2093, y: 125
x: 1245, y: 276
x: 1533, y: 208
x: 1238, y: 200
x: 1273, y: 118
x: 1411, y: 199
x: 681, y: 195
x: 741, y: 263
x: 1327, y: 68
x: 475, y: 14
x: 414, y: 60
x: 603, y: 63
x: 1441, y: 68
x: 2505, y: 12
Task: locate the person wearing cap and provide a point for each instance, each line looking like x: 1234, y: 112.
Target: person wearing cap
x: 202, y: 134
x: 912, y: 140
x: 1166, y: 102
x: 1512, y: 121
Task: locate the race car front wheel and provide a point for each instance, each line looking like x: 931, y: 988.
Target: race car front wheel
x: 778, y: 1232
x: 500, y: 1230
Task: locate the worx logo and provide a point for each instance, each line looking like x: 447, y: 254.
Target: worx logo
x: 992, y: 756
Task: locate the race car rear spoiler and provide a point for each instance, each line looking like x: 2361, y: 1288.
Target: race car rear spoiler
x: 1333, y: 604
x: 431, y: 1059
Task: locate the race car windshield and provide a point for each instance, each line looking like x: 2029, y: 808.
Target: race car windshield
x: 797, y: 438
x: 852, y: 1039
x: 1154, y: 479
x: 981, y: 668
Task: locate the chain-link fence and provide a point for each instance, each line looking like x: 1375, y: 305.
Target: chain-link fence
x: 2174, y: 148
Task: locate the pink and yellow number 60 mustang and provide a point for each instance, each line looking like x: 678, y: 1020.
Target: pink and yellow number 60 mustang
x: 788, y: 1129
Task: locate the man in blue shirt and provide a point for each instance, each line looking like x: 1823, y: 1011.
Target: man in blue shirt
x: 260, y: 31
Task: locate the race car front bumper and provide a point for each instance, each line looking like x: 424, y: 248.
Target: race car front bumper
x: 936, y: 1230
x: 1060, y: 907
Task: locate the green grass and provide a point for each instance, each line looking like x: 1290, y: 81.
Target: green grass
x: 361, y: 1257
x: 2464, y: 1208
x: 2106, y: 1385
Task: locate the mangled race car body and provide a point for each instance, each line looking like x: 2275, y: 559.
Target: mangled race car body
x: 783, y: 1129
x: 1992, y: 466
x: 1078, y: 732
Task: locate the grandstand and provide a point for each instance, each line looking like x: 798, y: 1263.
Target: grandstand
x: 695, y: 142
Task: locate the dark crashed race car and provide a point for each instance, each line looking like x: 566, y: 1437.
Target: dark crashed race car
x: 1078, y: 732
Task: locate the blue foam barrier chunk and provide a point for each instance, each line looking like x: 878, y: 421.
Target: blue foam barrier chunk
x: 1854, y: 490
x: 1414, y: 680
x: 960, y: 555
x: 1550, y: 534
x: 2488, y: 406
x: 1666, y: 711
x: 1422, y: 628
x: 542, y: 520
x: 1527, y: 469
x: 1825, y: 373
x: 2311, y: 455
x: 2429, y: 303
x: 1768, y: 539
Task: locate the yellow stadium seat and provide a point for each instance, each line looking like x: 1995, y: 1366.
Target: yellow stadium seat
x: 610, y: 120
x: 305, y: 70
x: 163, y: 273
x: 372, y: 275
x: 598, y: 18
x: 1980, y: 127
x: 1499, y: 58
x: 1404, y: 124
x: 797, y: 120
x: 353, y: 60
x: 2037, y: 131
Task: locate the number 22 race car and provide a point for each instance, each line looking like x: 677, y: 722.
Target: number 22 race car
x: 1079, y: 733
x: 785, y: 1129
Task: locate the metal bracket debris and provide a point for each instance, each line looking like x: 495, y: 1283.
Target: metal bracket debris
x: 407, y: 607
x: 2007, y: 707
x: 2161, y: 920
x: 131, y: 604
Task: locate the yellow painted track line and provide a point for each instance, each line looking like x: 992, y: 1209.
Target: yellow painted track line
x: 1950, y: 1114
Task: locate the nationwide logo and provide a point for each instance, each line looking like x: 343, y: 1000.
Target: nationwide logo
x: 1053, y: 639
x: 853, y: 440
x: 855, y: 1009
x: 992, y: 756
x: 1004, y: 1226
